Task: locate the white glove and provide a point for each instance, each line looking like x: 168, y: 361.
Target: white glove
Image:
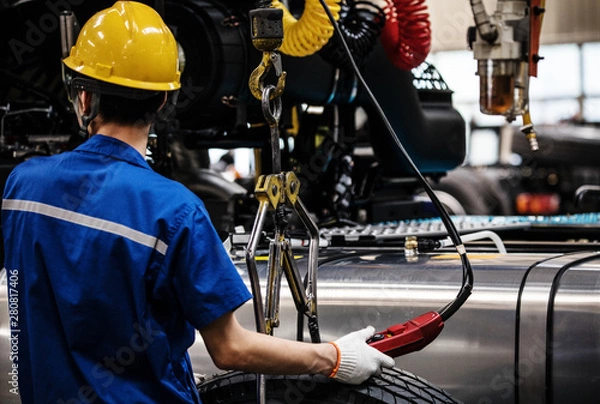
x: 357, y: 361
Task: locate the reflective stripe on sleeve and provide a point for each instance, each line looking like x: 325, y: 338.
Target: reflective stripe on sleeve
x: 87, y: 221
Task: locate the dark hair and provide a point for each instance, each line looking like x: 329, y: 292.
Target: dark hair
x: 118, y: 104
x: 128, y: 111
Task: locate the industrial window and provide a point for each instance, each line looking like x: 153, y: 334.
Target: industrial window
x: 591, y: 81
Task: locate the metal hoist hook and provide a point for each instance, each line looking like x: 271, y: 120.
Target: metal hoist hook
x: 257, y: 77
x: 267, y: 36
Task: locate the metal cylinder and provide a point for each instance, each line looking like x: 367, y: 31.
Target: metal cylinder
x: 530, y: 332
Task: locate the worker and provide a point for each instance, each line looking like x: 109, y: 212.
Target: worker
x: 113, y: 267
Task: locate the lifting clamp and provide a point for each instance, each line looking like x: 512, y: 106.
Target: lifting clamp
x: 278, y: 193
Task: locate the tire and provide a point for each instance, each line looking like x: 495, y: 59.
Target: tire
x: 392, y: 386
x: 476, y: 192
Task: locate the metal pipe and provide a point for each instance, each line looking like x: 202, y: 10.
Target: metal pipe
x: 68, y: 35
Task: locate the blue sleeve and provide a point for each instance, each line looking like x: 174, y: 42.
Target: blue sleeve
x: 206, y: 281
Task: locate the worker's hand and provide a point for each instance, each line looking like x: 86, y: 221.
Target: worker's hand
x: 357, y: 361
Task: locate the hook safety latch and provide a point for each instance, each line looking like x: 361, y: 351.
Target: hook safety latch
x: 411, y: 336
x: 257, y: 77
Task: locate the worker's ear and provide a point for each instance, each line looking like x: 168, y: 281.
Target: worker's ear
x: 84, y: 102
x: 163, y: 103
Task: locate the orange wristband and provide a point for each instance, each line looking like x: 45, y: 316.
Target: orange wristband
x: 339, y: 359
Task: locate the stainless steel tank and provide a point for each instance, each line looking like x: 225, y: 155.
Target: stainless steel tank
x: 529, y: 333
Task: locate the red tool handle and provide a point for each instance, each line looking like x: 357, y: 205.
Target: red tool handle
x: 411, y: 336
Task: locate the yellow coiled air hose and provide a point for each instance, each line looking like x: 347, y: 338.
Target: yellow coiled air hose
x: 311, y: 32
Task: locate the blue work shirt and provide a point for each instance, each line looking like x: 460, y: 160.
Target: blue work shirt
x: 112, y: 268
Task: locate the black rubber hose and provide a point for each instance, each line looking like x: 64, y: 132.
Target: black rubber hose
x: 467, y: 282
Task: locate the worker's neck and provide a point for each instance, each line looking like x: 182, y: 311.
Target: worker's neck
x: 135, y: 136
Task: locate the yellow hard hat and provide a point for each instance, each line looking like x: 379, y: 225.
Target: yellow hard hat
x: 127, y: 45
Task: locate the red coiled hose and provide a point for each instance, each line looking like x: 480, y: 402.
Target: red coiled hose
x: 406, y: 36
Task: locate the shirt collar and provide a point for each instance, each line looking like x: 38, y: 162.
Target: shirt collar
x: 114, y: 148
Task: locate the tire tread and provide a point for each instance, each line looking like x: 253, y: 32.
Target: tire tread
x: 393, y: 386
